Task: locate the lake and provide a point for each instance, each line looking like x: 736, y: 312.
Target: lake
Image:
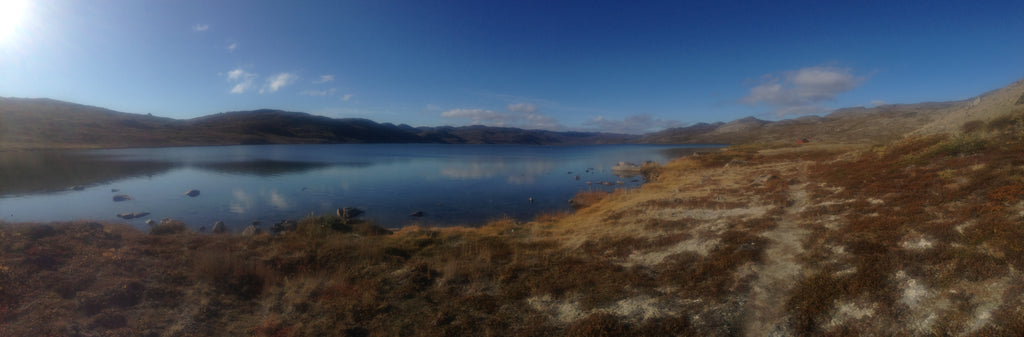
x: 449, y: 184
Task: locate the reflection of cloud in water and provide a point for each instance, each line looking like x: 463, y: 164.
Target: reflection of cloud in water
x: 518, y: 173
x: 530, y: 171
x: 278, y: 200
x: 242, y: 202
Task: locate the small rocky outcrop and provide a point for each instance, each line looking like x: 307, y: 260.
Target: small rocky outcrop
x: 192, y: 193
x: 416, y: 214
x: 122, y: 197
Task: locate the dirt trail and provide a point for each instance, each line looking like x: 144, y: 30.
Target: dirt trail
x: 765, y: 313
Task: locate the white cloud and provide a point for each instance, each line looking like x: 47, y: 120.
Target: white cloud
x: 324, y: 79
x: 520, y: 115
x: 276, y: 82
x: 522, y: 107
x: 232, y: 46
x: 200, y: 27
x: 347, y: 97
x: 479, y: 116
x: 328, y: 92
x: 242, y: 80
x: 800, y: 91
x: 635, y: 124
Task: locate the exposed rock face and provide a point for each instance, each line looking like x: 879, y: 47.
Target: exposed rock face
x: 192, y: 193
x: 219, y: 228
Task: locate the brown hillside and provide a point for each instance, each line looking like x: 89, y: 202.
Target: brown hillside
x: 860, y: 125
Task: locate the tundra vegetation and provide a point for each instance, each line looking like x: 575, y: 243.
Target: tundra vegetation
x: 918, y: 237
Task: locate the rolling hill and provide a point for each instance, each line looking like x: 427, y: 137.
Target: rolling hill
x: 45, y: 123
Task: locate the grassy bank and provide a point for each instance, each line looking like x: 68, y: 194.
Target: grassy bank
x: 918, y: 237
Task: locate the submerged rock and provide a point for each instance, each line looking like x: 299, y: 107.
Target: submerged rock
x: 192, y: 193
x: 122, y: 197
x: 129, y: 216
x: 416, y: 214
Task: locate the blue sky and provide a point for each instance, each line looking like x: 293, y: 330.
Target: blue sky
x: 590, y: 65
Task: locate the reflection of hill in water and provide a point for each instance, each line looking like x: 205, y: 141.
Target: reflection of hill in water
x: 35, y: 172
x: 266, y: 168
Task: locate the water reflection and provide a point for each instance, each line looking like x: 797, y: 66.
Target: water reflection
x: 449, y: 184
x: 34, y: 172
x: 268, y: 168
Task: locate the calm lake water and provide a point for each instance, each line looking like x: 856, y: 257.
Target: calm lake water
x: 449, y: 184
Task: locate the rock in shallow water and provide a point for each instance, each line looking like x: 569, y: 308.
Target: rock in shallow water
x: 129, y: 216
x: 192, y: 193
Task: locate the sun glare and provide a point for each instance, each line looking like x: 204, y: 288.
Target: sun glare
x: 12, y: 12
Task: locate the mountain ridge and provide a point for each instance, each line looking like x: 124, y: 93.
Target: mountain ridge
x: 43, y: 123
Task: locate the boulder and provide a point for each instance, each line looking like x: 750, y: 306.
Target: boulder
x: 349, y: 212
x: 252, y: 230
x: 625, y: 169
x: 192, y: 193
x: 219, y: 228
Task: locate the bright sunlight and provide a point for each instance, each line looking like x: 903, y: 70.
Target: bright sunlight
x: 12, y: 12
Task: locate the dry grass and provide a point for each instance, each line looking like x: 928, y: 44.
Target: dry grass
x: 918, y: 237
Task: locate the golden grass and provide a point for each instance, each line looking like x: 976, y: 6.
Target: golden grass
x: 813, y: 240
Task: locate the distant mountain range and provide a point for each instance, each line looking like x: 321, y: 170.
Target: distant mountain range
x: 39, y: 123
x: 45, y: 123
